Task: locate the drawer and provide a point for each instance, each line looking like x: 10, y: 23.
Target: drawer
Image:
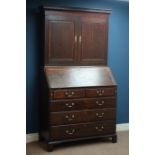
x: 81, y: 104
x: 70, y: 117
x: 68, y: 93
x: 82, y: 130
x: 100, y: 92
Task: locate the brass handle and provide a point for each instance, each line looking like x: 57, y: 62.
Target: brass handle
x: 100, y: 115
x: 99, y: 128
x: 80, y: 38
x: 70, y: 132
x: 100, y: 92
x: 70, y: 105
x: 98, y: 103
x: 69, y: 94
x: 70, y: 118
x: 75, y: 38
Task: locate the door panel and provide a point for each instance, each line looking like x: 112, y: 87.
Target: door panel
x: 61, y: 48
x: 61, y: 38
x: 93, y: 41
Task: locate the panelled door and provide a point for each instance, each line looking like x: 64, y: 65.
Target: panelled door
x: 75, y: 38
x: 93, y: 39
x: 61, y: 38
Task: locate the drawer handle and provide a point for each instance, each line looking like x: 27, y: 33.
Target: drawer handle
x: 100, y: 92
x: 97, y: 102
x: 99, y: 128
x: 70, y: 118
x: 69, y: 94
x: 100, y: 115
x: 70, y: 105
x: 70, y: 132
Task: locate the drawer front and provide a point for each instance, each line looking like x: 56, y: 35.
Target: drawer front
x: 100, y: 92
x: 70, y: 117
x: 68, y: 93
x: 74, y: 104
x: 82, y: 130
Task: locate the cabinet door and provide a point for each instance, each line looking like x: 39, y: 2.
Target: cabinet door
x: 93, y: 40
x: 61, y: 39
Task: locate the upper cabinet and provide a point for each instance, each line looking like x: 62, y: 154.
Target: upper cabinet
x: 75, y: 37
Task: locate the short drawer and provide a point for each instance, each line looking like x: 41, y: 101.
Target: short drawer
x: 82, y: 130
x: 70, y: 117
x: 100, y: 92
x: 68, y: 93
x: 81, y: 104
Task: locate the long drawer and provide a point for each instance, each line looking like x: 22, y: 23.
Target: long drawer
x: 79, y: 104
x: 82, y: 130
x: 69, y: 117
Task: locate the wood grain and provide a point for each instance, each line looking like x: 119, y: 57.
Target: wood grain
x: 82, y: 130
x: 79, y: 76
x: 81, y: 104
x: 71, y: 117
x: 75, y: 37
x: 78, y: 92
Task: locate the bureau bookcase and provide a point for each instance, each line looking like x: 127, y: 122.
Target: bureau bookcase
x: 78, y: 91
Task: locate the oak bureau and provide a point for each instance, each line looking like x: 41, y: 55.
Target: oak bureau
x: 78, y: 92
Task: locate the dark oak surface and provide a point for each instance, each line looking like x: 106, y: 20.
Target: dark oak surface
x: 93, y: 44
x: 82, y: 130
x: 80, y: 104
x: 100, y: 92
x: 78, y: 91
x: 58, y: 27
x: 76, y: 9
x: 68, y: 93
x: 79, y: 76
x: 71, y: 117
x: 75, y: 38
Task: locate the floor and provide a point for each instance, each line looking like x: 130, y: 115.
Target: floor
x: 91, y: 147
